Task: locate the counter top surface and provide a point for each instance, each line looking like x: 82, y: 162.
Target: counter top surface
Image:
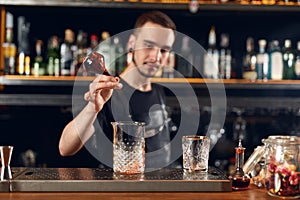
x: 252, y: 193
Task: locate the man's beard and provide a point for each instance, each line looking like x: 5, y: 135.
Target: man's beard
x: 140, y: 71
x: 143, y: 73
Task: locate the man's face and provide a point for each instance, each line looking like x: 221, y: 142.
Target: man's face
x: 152, y: 47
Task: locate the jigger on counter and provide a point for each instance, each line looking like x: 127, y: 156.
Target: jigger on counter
x: 6, y: 152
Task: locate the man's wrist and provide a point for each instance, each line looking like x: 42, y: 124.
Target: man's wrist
x: 91, y: 108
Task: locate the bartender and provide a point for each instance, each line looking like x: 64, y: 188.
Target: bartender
x: 131, y: 96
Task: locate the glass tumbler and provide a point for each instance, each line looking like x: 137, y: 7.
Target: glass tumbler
x: 195, y: 152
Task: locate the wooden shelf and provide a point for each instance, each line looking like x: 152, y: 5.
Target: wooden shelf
x: 10, y: 80
x: 145, y: 4
x: 30, y: 91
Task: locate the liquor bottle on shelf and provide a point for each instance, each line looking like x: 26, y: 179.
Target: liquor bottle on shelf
x: 249, y: 61
x: 67, y: 50
x: 262, y: 65
x: 52, y: 55
x: 94, y: 41
x: 27, y: 66
x: 185, y: 58
x: 288, y: 55
x: 21, y: 63
x: 105, y: 49
x: 23, y: 45
x: 38, y: 65
x: 276, y: 62
x: 120, y: 56
x: 211, y: 59
x: 81, y: 52
x: 9, y: 48
x: 297, y: 62
x: 225, y: 58
x: 56, y: 67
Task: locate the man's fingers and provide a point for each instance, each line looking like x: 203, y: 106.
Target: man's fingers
x: 105, y: 78
x: 87, y: 96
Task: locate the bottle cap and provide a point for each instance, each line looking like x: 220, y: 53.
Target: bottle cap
x: 275, y: 42
x: 287, y: 43
x: 105, y: 35
x: 262, y: 42
x: 9, y: 20
x: 94, y: 37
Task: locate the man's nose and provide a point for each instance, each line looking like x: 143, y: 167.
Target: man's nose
x: 155, y: 54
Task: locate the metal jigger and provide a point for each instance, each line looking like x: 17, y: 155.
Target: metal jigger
x: 6, y: 152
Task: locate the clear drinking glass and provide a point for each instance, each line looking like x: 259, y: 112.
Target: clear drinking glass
x: 195, y: 152
x: 129, y: 147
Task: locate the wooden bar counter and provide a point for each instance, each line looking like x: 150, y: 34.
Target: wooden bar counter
x: 95, y: 184
x: 252, y: 193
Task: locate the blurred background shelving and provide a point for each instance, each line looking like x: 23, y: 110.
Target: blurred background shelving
x: 34, y: 110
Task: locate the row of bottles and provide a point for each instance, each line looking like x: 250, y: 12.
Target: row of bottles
x: 193, y: 61
x: 273, y: 62
x: 56, y: 58
x: 217, y: 63
x: 64, y: 57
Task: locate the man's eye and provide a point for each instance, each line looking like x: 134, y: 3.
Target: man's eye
x: 149, y: 46
x: 164, y: 50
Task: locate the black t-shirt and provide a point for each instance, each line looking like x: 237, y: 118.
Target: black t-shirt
x: 129, y: 104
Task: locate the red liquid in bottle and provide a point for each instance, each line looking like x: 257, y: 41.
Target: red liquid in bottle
x: 240, y: 180
x: 94, y: 64
x: 240, y: 183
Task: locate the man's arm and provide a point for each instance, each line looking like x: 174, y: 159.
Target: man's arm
x: 81, y: 128
x: 78, y: 131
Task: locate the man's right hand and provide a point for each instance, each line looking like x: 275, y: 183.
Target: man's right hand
x: 101, y: 89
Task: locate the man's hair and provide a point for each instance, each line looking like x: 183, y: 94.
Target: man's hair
x: 156, y: 17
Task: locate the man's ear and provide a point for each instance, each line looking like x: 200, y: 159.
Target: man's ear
x: 131, y: 42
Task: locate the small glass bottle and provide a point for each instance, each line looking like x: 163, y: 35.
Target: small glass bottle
x: 240, y: 180
x: 94, y: 64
